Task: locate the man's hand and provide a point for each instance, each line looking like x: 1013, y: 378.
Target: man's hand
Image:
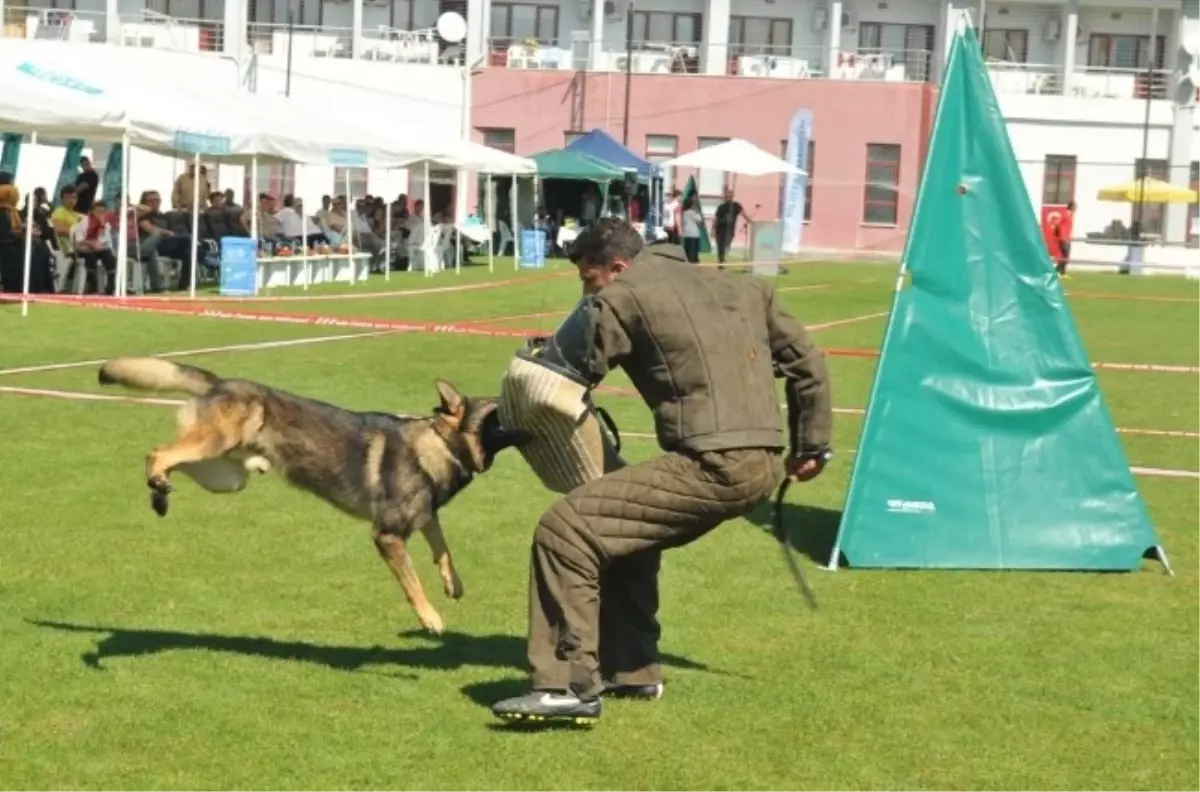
x: 806, y: 466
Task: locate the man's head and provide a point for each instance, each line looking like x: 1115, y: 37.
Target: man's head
x: 326, y: 202
x: 1071, y: 206
x: 151, y: 199
x: 216, y: 199
x: 99, y: 211
x: 68, y: 197
x: 728, y: 193
x: 229, y: 196
x: 289, y: 201
x: 603, y: 250
x: 266, y: 202
x: 419, y: 207
x: 85, y: 164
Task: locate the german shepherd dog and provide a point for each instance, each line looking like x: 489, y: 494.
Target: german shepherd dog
x: 393, y: 470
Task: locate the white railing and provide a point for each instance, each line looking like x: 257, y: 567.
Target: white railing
x: 1084, y: 82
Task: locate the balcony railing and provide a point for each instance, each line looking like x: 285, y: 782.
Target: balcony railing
x: 1087, y: 82
x: 153, y: 30
x: 739, y: 60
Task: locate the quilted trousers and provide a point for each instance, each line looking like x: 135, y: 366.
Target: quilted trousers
x: 593, y: 588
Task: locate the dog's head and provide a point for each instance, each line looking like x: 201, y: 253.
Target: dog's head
x: 476, y: 424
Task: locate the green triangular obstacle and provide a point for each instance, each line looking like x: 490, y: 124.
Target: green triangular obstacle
x: 987, y: 443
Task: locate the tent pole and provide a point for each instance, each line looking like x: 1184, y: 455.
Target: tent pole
x: 489, y: 206
x: 253, y: 207
x: 305, y: 259
x: 126, y: 187
x: 350, y: 211
x: 28, y: 237
x: 425, y: 220
x: 195, y: 221
x: 387, y: 240
x: 516, y: 229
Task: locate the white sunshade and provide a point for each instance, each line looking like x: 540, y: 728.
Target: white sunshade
x: 734, y: 156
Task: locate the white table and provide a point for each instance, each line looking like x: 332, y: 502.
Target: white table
x: 277, y: 271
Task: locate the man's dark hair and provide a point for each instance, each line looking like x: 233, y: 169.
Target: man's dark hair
x: 288, y: 200
x: 98, y: 205
x: 605, y: 241
x: 65, y: 191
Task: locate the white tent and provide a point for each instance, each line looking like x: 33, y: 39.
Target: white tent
x: 734, y: 156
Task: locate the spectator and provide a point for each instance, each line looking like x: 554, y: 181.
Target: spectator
x: 86, y: 185
x: 268, y: 224
x: 12, y: 249
x: 157, y: 241
x: 93, y: 243
x: 364, y: 238
x: 64, y: 219
x: 181, y: 196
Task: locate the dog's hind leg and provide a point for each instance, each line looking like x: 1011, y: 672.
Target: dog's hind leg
x: 441, y: 557
x: 394, y: 549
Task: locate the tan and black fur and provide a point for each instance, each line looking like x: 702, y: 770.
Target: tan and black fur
x: 393, y: 470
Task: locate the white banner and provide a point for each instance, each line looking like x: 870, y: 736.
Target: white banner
x: 792, y: 217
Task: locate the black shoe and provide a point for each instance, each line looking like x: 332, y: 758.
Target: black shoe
x: 641, y: 692
x: 541, y: 705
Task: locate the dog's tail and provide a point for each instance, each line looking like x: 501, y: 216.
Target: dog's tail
x: 156, y: 374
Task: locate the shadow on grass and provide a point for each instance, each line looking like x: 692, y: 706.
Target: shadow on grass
x: 812, y: 530
x: 450, y: 650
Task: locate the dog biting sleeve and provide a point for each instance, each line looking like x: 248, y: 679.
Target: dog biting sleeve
x: 569, y: 446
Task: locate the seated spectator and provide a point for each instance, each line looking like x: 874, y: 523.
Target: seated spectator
x: 416, y: 223
x: 364, y: 237
x: 156, y: 240
x: 291, y: 223
x: 93, y: 243
x: 269, y: 229
x: 336, y: 224
x: 64, y: 219
x: 12, y: 249
x: 217, y: 222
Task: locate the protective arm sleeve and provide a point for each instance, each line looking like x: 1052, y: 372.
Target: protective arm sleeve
x: 608, y: 343
x: 797, y: 359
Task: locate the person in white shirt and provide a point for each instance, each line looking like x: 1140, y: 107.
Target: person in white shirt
x: 93, y: 243
x: 291, y: 223
x: 691, y: 223
x: 671, y: 218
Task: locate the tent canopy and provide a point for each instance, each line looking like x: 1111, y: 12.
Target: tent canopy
x: 598, y: 144
x: 101, y: 104
x: 735, y: 156
x: 563, y: 164
x: 1147, y: 189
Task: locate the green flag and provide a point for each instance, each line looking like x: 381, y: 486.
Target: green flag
x: 11, y: 154
x: 987, y: 442
x: 690, y: 192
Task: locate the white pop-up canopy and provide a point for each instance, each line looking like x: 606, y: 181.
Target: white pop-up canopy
x: 735, y: 156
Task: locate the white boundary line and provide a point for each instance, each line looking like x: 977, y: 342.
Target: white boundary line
x: 101, y: 397
x: 289, y: 342
x: 849, y: 321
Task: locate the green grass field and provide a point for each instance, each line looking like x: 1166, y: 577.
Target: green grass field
x: 257, y: 641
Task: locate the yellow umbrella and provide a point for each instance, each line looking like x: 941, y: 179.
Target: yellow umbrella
x: 1155, y: 191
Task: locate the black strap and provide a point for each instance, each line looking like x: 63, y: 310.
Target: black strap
x: 781, y: 536
x: 608, y: 422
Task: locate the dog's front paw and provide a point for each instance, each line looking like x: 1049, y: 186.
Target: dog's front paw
x: 159, y: 489
x: 453, y: 586
x: 431, y: 621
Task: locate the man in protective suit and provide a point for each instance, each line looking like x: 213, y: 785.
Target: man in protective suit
x: 703, y: 349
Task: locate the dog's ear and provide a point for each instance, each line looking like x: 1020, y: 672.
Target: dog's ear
x: 452, y: 400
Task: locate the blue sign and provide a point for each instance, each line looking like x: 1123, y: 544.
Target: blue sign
x: 61, y: 80
x: 197, y: 143
x: 239, y: 266
x: 796, y: 184
x: 533, y: 248
x: 348, y: 158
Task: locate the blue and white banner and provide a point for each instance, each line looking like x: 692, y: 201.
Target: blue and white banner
x: 796, y: 185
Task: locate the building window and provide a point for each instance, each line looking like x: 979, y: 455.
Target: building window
x: 513, y: 23
x: 1108, y: 52
x: 710, y: 183
x: 911, y: 45
x: 571, y: 137
x: 808, y: 184
x: 1058, y: 180
x: 665, y: 27
x: 358, y: 182
x: 1152, y: 213
x: 500, y: 139
x: 760, y: 36
x: 1009, y: 46
x: 881, y: 196
x: 659, y: 149
x: 277, y: 180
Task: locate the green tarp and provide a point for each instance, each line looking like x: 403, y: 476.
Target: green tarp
x: 987, y: 443
x: 562, y: 164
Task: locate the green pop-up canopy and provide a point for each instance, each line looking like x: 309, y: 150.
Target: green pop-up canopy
x: 987, y: 443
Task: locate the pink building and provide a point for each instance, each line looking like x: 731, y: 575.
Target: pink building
x: 863, y: 131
